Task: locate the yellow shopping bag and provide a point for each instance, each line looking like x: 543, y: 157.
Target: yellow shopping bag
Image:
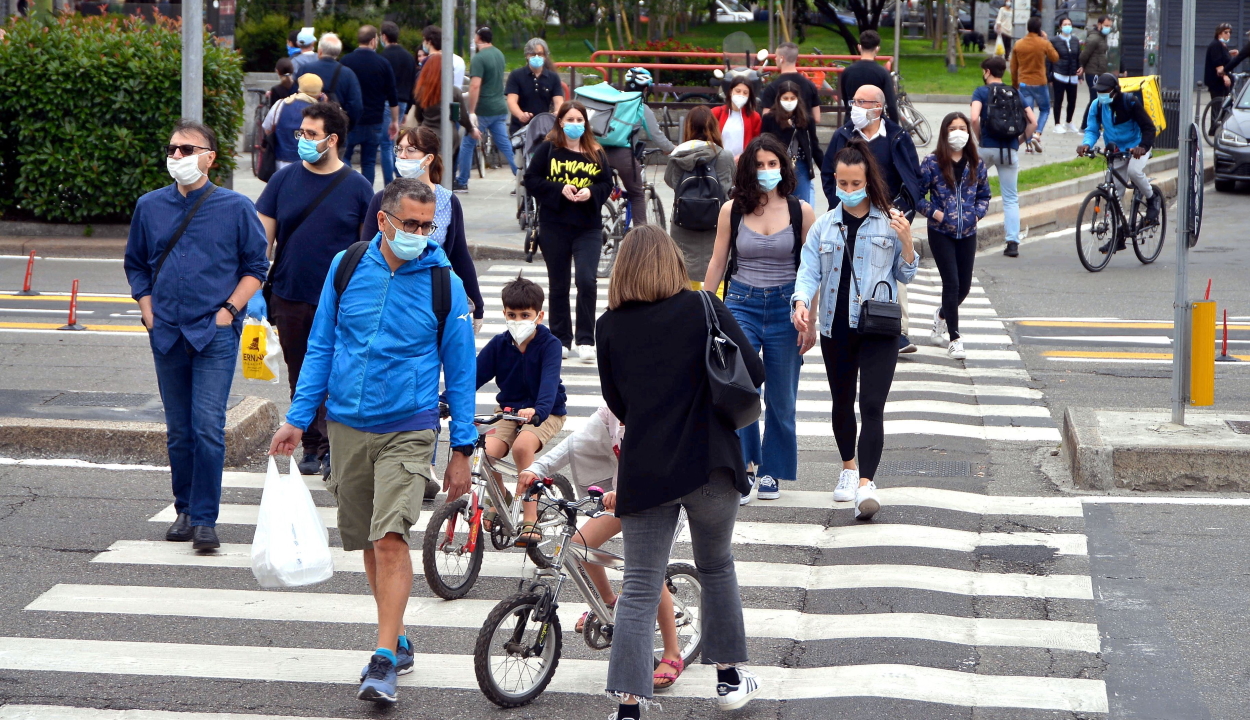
x: 259, y: 350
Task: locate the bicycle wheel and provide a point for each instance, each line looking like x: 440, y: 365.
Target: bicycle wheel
x: 1097, y: 230
x: 682, y: 580
x: 655, y: 206
x: 607, y: 250
x: 450, y: 570
x: 1148, y: 242
x: 516, y: 654
x: 1210, y: 116
x: 916, y: 124
x: 551, y: 523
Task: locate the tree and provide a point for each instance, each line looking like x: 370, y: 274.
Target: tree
x: 867, y: 17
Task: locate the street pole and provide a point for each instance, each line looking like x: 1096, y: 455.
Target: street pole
x: 444, y: 107
x: 1151, y: 41
x: 898, y: 30
x: 1184, y: 175
x: 193, y: 60
x: 472, y: 29
x: 308, y: 13
x: 772, y: 38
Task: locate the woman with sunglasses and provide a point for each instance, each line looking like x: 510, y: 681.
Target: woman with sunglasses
x: 416, y: 156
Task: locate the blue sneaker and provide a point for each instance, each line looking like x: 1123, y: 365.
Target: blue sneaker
x: 768, y: 488
x: 380, y: 681
x: 404, y: 662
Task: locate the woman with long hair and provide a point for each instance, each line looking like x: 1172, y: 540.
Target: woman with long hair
x: 790, y: 121
x: 569, y: 176
x: 701, y: 151
x: 679, y: 453
x: 427, y: 93
x: 858, y: 251
x: 739, y: 122
x: 955, y: 195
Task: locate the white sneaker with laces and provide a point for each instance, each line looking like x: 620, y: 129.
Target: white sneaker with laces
x: 866, y: 501
x: 939, y: 327
x: 848, y: 480
x: 956, y: 350
x: 586, y: 353
x: 1059, y: 129
x: 750, y: 481
x: 732, y: 697
x: 1071, y: 128
x: 564, y: 353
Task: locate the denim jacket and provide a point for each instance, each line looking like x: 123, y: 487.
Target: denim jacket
x: 878, y: 258
x: 961, y: 206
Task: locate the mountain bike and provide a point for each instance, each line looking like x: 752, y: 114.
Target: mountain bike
x: 908, y: 116
x: 451, y: 551
x: 618, y: 216
x: 518, y: 648
x: 1102, y: 224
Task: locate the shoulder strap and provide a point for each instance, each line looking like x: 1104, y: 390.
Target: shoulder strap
x: 440, y: 284
x: 334, y: 79
x: 709, y: 313
x: 173, y: 240
x: 347, y: 266
x: 735, y: 219
x: 796, y: 222
x: 285, y: 233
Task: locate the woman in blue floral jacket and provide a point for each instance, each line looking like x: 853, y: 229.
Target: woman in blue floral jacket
x: 955, y: 195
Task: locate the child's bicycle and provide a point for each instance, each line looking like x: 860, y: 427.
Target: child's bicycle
x: 451, y: 551
x: 518, y: 648
x: 1102, y: 223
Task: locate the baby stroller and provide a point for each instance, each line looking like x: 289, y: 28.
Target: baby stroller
x: 523, y: 143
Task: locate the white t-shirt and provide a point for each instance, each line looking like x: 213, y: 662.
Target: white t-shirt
x: 733, y: 133
x: 457, y: 71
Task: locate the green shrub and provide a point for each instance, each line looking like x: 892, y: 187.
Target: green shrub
x: 86, y: 104
x: 262, y: 41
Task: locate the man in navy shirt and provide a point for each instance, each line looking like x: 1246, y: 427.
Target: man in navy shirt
x: 377, y: 91
x: 190, y: 290
x: 339, y: 83
x: 306, y: 240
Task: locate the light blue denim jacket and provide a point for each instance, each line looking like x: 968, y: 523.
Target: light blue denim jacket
x: 878, y: 258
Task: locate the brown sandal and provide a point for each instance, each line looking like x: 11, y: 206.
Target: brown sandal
x: 665, y: 680
x: 528, y: 534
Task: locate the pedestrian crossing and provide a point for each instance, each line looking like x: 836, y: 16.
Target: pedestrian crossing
x: 1108, y: 341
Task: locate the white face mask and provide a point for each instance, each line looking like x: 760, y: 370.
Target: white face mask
x: 739, y: 101
x: 184, y: 171
x: 521, y: 330
x: 789, y: 105
x: 860, y: 117
x: 958, y: 139
x: 410, y: 168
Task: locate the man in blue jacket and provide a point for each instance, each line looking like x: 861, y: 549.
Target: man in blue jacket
x: 373, y: 357
x: 338, y: 81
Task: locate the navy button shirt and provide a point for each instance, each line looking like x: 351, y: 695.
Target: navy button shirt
x: 224, y: 243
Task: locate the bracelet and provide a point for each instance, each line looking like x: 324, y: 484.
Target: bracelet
x: 234, y: 311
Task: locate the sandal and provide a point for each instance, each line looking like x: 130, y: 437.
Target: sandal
x: 581, y: 621
x: 665, y: 680
x: 528, y: 534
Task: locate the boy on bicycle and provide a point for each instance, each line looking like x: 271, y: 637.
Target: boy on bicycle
x: 524, y: 361
x: 1124, y: 124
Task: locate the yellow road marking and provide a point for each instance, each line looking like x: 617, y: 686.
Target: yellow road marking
x: 1111, y: 355
x: 65, y: 298
x: 1126, y: 325
x: 56, y: 326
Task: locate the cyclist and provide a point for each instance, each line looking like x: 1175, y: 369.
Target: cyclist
x: 1123, y: 123
x: 623, y: 160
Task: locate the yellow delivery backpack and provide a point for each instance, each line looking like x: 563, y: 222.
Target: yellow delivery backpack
x: 1146, y: 89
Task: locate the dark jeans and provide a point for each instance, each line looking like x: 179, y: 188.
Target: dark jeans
x: 366, y: 136
x: 1064, y: 90
x: 622, y: 159
x: 194, y: 387
x: 294, y: 322
x: 563, y: 248
x: 1089, y: 83
x: 711, y: 511
x: 872, y: 357
x: 954, y: 258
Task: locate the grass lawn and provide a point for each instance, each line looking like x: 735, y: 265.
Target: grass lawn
x: 1058, y: 172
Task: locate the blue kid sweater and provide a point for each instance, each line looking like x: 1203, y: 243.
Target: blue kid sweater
x: 529, y: 379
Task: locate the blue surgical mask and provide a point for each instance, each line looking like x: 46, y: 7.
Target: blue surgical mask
x: 1224, y: 40
x: 1066, y: 29
x: 852, y: 199
x: 536, y: 61
x: 407, y: 246
x: 308, y: 151
x: 574, y: 130
x: 1104, y: 98
x: 410, y: 168
x: 1106, y: 31
x: 768, y: 179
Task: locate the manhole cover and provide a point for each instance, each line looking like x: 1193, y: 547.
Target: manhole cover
x: 101, y: 399
x: 1239, y: 426
x: 927, y: 468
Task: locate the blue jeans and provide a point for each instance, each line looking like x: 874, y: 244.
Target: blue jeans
x: 194, y: 388
x: 385, y: 144
x: 804, y: 191
x: 764, y: 314
x: 497, y: 126
x: 1037, y: 96
x: 1008, y: 164
x: 366, y: 136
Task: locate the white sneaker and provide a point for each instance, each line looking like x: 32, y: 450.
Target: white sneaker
x: 732, y: 697
x: 866, y: 501
x: 564, y: 353
x: 1071, y: 128
x: 848, y: 480
x: 939, y: 327
x: 586, y: 353
x: 956, y: 350
x: 1059, y: 129
x: 750, y: 481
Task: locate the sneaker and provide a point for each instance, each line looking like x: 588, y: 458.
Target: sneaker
x: 1012, y: 250
x: 768, y: 489
x: 380, y: 680
x: 848, y: 480
x: 1071, y: 128
x: 866, y: 501
x: 956, y: 350
x: 746, y: 497
x: 310, y: 465
x: 905, y: 345
x: 1059, y: 129
x: 732, y: 697
x: 460, y: 187
x: 586, y: 353
x: 939, y: 327
x: 1106, y: 247
x: 405, y: 662
x: 1036, y: 144
x: 1152, y: 209
x: 564, y: 353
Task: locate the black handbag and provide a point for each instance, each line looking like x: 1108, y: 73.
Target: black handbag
x: 876, y: 317
x: 734, y: 394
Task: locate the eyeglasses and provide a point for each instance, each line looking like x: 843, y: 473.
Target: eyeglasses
x: 402, y: 150
x: 301, y: 133
x: 871, y: 104
x: 184, y: 149
x: 414, y: 226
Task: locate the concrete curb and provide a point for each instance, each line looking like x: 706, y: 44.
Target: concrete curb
x: 941, y: 99
x: 14, y: 228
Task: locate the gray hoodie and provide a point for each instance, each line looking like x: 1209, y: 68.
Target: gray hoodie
x: 697, y: 245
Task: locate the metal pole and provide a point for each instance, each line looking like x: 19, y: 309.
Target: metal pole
x: 308, y: 13
x: 444, y: 109
x: 1151, y: 41
x: 898, y: 29
x: 193, y: 60
x: 1180, y: 302
x: 472, y: 28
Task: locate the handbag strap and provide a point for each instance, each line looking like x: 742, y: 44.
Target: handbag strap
x: 285, y: 233
x: 850, y: 262
x: 173, y: 240
x: 709, y: 314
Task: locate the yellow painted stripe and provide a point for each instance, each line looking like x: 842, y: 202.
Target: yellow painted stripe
x: 65, y: 298
x: 1116, y: 355
x: 1126, y: 325
x: 56, y: 326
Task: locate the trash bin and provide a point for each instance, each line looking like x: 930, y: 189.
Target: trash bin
x: 1169, y: 139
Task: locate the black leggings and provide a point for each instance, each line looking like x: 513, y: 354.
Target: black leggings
x: 1062, y: 90
x: 563, y: 246
x: 847, y: 353
x: 1089, y: 83
x: 954, y: 258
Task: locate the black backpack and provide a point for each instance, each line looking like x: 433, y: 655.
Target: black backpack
x: 440, y: 277
x: 698, y: 199
x: 332, y: 97
x: 1003, y: 118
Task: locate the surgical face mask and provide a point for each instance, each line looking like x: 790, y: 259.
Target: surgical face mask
x: 410, y: 168
x: 789, y: 105
x: 308, y: 151
x: 957, y: 139
x: 521, y: 330
x: 1106, y: 31
x: 536, y: 61
x: 739, y: 101
x: 852, y: 199
x: 860, y: 117
x: 185, y: 170
x: 1104, y: 98
x: 574, y: 130
x: 406, y: 246
x: 1066, y: 29
x: 768, y: 179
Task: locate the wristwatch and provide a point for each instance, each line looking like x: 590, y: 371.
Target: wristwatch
x: 234, y: 311
x: 465, y: 450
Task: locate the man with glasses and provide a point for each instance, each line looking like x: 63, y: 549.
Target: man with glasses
x: 536, y: 87
x: 310, y: 210
x: 374, y: 357
x: 195, y: 256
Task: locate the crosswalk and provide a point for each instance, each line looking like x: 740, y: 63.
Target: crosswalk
x: 1109, y: 340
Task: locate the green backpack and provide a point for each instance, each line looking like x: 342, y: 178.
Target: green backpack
x: 614, y: 115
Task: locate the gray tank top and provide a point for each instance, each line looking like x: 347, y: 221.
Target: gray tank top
x: 765, y: 260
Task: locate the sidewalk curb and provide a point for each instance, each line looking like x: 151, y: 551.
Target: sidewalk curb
x: 938, y: 98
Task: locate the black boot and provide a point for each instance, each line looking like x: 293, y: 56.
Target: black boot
x: 180, y: 530
x: 1152, y: 209
x: 204, y: 538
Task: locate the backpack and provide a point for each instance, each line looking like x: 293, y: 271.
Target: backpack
x: 1144, y: 92
x: 614, y: 116
x: 698, y: 200
x: 440, y: 277
x: 1003, y: 118
x: 332, y: 96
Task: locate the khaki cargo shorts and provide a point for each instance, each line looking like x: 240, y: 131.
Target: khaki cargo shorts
x: 378, y: 480
x: 509, y: 430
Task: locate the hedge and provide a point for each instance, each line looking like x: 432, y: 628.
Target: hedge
x: 86, y: 104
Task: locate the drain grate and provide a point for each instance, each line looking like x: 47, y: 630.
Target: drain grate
x: 927, y: 468
x: 1239, y: 426
x: 101, y: 399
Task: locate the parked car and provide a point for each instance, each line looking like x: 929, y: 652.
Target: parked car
x: 1232, y: 143
x: 1074, y: 10
x: 731, y: 11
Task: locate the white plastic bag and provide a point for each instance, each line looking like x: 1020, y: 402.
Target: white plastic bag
x: 292, y: 546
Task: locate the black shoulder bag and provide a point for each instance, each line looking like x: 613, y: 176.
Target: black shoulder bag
x: 284, y: 234
x: 876, y: 317
x: 734, y: 395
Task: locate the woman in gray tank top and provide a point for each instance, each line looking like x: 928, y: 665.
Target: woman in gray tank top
x: 757, y: 255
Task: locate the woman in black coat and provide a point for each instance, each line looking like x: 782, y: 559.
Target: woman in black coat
x: 1065, y: 75
x: 677, y: 452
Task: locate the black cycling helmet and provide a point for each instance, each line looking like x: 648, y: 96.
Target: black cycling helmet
x: 1106, y: 82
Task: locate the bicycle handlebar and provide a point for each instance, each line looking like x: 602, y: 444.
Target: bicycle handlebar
x: 492, y: 419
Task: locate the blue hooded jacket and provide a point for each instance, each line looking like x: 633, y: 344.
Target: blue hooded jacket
x: 371, y: 353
